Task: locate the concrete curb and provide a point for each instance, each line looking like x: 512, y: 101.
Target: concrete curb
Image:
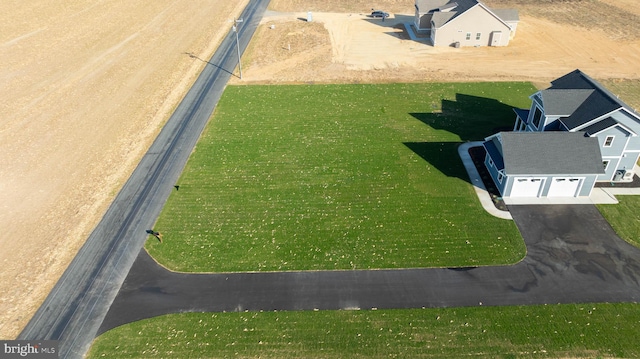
x: 478, y: 186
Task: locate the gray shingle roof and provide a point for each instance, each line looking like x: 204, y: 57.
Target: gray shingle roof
x: 598, y: 103
x: 508, y: 15
x: 563, y: 102
x: 549, y: 153
x: 430, y: 5
x: 447, y: 10
x: 600, y: 126
x: 440, y: 18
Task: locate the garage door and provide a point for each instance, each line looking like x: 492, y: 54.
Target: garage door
x: 526, y: 186
x: 564, y: 186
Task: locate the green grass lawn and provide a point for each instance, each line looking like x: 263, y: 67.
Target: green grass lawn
x: 339, y: 177
x: 550, y: 331
x: 624, y: 217
x: 241, y: 148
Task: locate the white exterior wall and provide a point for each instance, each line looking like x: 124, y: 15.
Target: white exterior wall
x: 475, y: 20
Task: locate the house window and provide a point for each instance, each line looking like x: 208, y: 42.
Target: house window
x: 500, y: 177
x: 490, y: 162
x: 537, y: 117
x: 605, y: 164
x: 468, y: 36
x: 478, y: 35
x: 608, y: 141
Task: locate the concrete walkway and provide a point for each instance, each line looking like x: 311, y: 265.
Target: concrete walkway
x: 476, y: 181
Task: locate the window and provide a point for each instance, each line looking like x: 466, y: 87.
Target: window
x: 468, y: 36
x: 478, y: 35
x: 537, y: 116
x: 500, y: 177
x: 608, y: 141
x: 490, y: 162
x: 605, y: 164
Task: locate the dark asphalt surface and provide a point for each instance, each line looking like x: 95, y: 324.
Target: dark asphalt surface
x: 77, y: 305
x: 573, y: 257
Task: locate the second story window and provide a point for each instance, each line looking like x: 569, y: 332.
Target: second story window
x: 608, y: 141
x: 537, y: 117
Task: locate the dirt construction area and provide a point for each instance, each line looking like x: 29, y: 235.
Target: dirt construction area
x: 86, y: 86
x: 553, y: 38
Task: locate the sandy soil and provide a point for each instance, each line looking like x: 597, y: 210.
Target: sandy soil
x: 86, y: 86
x: 350, y: 47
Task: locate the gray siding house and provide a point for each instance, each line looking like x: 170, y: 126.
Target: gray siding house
x: 574, y: 107
x: 465, y: 23
x: 567, y: 165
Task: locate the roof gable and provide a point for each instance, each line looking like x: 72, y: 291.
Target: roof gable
x: 599, y: 102
x: 558, y: 152
x: 445, y: 11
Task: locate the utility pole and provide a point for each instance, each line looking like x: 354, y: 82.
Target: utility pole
x: 235, y: 29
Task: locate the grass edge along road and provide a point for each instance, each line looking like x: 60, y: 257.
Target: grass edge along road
x: 325, y: 177
x: 539, y: 331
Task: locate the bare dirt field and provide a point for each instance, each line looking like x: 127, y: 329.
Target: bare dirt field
x: 87, y: 85
x: 601, y: 37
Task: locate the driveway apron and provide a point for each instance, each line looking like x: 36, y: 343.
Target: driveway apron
x: 573, y: 256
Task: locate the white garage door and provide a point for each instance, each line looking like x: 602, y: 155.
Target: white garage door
x: 526, y: 186
x: 564, y: 187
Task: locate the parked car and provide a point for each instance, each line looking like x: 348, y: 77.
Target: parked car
x: 379, y: 13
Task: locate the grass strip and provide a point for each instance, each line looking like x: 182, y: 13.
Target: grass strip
x: 541, y: 331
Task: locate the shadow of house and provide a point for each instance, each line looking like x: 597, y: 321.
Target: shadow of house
x: 441, y: 155
x: 469, y: 117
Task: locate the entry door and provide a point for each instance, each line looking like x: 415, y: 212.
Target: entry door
x: 496, y: 38
x: 564, y: 187
x: 526, y: 186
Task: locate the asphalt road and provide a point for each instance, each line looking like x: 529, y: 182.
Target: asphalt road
x: 75, y: 308
x: 573, y: 256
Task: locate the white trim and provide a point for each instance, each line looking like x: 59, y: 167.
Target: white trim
x: 494, y: 15
x: 598, y: 119
x: 612, y: 137
x: 624, y: 149
x: 631, y: 113
x: 633, y: 134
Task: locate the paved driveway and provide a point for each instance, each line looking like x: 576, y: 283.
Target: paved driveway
x: 573, y: 256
